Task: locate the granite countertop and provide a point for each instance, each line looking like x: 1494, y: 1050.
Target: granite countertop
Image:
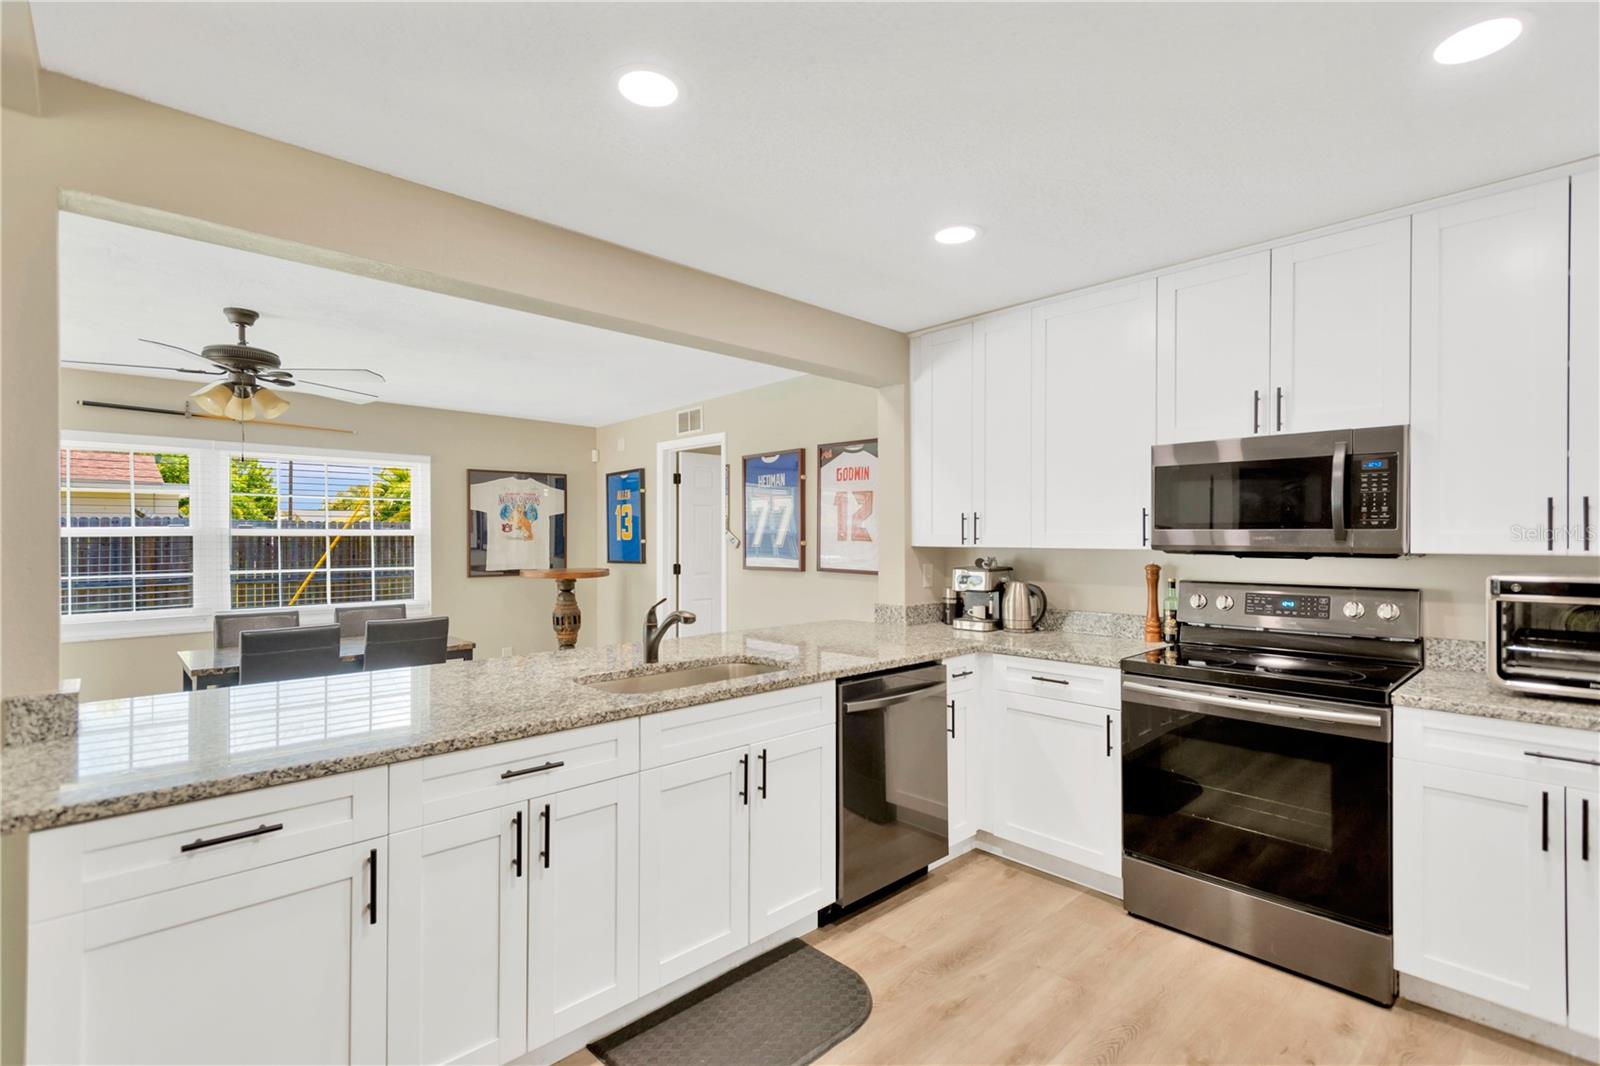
x: 1469, y: 692
x: 144, y: 752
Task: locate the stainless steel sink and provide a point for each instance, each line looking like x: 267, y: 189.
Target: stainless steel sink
x: 682, y: 677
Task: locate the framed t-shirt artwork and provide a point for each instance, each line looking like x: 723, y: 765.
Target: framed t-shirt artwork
x: 775, y: 511
x: 515, y: 521
x: 847, y: 519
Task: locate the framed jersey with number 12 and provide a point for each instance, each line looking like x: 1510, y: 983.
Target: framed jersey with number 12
x: 847, y: 518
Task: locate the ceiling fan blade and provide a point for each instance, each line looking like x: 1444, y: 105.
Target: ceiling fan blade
x: 364, y: 397
x: 338, y: 370
x: 144, y: 366
x: 174, y: 347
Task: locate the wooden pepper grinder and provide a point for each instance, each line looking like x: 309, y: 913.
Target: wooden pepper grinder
x: 1152, y: 611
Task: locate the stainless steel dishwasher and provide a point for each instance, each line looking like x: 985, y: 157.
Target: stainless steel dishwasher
x: 893, y: 778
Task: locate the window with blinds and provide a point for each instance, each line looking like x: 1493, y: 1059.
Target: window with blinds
x: 126, y: 541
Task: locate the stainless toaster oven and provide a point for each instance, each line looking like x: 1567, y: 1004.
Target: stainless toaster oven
x: 1544, y: 635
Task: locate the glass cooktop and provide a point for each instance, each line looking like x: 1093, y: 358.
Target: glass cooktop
x: 1352, y: 680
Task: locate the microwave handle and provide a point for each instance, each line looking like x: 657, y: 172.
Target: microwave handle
x: 1340, y: 461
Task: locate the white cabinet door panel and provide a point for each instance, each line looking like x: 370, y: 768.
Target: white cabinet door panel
x: 963, y: 798
x: 1057, y: 779
x: 1094, y: 418
x: 1489, y: 372
x: 694, y: 865
x: 1002, y: 504
x: 1213, y: 342
x: 1479, y: 886
x: 942, y: 413
x: 458, y: 945
x: 583, y: 880
x: 792, y: 816
x: 277, y: 964
x: 1584, y: 495
x: 1341, y: 330
x: 1583, y: 910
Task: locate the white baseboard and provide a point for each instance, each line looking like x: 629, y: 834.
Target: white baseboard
x: 1038, y: 860
x: 1495, y: 1016
x: 563, y: 1046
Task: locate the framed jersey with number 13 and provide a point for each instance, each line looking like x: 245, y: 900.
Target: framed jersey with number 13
x: 625, y: 516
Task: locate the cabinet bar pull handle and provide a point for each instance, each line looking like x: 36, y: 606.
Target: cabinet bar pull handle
x: 1052, y: 680
x: 1549, y: 523
x: 959, y: 674
x: 763, y: 773
x: 974, y: 527
x: 1108, y: 736
x: 372, y: 886
x: 544, y: 856
x: 244, y: 834
x: 1561, y: 758
x: 963, y: 527
x: 516, y: 856
x: 1144, y: 526
x: 1586, y: 523
x: 1255, y: 410
x: 952, y: 719
x: 744, y: 767
x: 1279, y: 407
x: 533, y: 769
x: 1544, y: 820
x: 1585, y: 829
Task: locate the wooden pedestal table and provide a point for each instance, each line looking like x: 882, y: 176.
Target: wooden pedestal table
x: 566, y: 618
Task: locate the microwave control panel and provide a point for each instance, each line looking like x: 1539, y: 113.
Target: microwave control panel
x: 1375, y: 498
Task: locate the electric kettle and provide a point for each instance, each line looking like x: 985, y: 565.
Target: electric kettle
x: 1017, y: 611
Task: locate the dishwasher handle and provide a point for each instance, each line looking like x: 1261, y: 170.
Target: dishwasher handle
x: 904, y: 695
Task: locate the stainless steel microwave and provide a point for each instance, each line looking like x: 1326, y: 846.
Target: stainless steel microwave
x: 1340, y: 492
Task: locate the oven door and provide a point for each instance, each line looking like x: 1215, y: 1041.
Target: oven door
x: 1283, y: 798
x: 1331, y: 493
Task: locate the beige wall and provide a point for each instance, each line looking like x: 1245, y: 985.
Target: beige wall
x: 801, y: 412
x: 496, y: 612
x: 105, y: 153
x: 1452, y: 585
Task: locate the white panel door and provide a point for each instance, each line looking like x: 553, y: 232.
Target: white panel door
x: 694, y: 865
x: 1341, y: 330
x: 1056, y: 779
x: 699, y: 541
x: 1489, y: 373
x: 458, y: 943
x: 1213, y: 340
x: 1479, y: 886
x: 1002, y: 483
x: 793, y: 813
x: 1094, y: 360
x: 942, y: 434
x: 1583, y: 496
x: 279, y: 964
x: 1583, y: 910
x: 583, y: 929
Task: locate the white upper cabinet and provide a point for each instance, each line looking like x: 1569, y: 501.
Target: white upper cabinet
x: 1094, y: 359
x: 1002, y: 501
x: 1489, y: 373
x: 1583, y: 497
x: 1341, y: 331
x: 1213, y: 337
x: 942, y: 415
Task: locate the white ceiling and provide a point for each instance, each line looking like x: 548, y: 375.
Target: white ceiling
x: 817, y: 146
x: 119, y: 283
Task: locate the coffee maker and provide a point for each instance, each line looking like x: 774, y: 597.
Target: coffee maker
x: 980, y: 587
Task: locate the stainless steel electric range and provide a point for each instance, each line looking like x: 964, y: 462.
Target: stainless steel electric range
x: 1256, y: 770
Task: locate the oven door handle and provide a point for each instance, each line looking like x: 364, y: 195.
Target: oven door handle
x: 1341, y: 454
x: 1285, y: 710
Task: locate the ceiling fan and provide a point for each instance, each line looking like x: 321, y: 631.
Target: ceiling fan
x: 244, y: 372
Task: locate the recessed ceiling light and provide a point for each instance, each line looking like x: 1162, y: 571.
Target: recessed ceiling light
x: 1476, y: 41
x: 648, y: 88
x: 957, y: 234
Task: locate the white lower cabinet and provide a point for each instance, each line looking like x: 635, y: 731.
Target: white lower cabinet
x: 694, y: 865
x: 965, y: 806
x: 458, y: 939
x: 583, y: 886
x: 1056, y: 777
x: 281, y: 963
x: 792, y: 815
x: 1583, y: 910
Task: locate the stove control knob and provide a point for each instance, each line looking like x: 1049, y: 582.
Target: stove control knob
x: 1224, y: 602
x: 1354, y: 609
x: 1388, y: 611
x: 1198, y: 600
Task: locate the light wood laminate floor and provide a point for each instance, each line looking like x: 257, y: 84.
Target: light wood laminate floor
x: 985, y: 961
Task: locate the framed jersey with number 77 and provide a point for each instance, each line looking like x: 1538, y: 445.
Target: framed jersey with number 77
x: 847, y: 520
x: 775, y: 511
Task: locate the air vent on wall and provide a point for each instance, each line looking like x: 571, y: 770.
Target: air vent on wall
x: 692, y: 420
